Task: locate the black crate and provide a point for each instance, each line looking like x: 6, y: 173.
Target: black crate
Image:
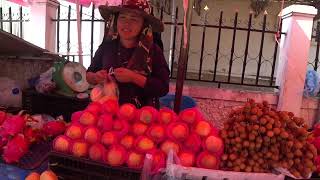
x: 52, y: 104
x: 69, y: 167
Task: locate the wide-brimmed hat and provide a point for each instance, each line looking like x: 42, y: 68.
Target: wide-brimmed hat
x: 140, y: 7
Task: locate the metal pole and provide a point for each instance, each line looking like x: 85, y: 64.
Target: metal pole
x: 21, y: 21
x: 172, y: 36
x: 173, y: 45
x: 68, y: 37
x: 244, y: 65
x: 1, y: 18
x: 92, y: 29
x: 261, y: 47
x: 10, y: 19
x: 184, y: 50
x: 58, y: 30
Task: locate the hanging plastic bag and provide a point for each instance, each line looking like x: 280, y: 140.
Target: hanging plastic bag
x: 311, y: 85
x: 105, y: 91
x: 45, y: 83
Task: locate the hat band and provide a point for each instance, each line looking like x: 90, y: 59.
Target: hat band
x: 135, y: 7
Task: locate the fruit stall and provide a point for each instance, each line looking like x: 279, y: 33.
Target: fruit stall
x: 108, y: 140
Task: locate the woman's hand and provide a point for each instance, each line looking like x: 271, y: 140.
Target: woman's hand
x: 125, y: 75
x: 96, y: 78
x: 101, y: 76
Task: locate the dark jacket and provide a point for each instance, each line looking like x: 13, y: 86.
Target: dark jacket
x: 157, y: 83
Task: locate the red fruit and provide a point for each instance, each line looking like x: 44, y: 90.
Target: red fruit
x: 92, y: 135
x: 215, y: 131
x: 144, y: 144
x: 316, y: 130
x: 178, y: 131
x: 48, y: 175
x: 127, y: 112
x: 207, y: 160
x: 75, y: 117
x: 168, y: 145
x: 157, y: 133
x: 33, y: 176
x: 15, y: 149
x: 62, y: 143
x: 108, y: 138
x: 32, y: 135
x: 3, y: 142
x: 189, y: 115
x: 54, y: 128
x: 192, y: 143
x: 127, y: 141
x: 12, y: 125
x: 317, y: 160
x: 79, y: 148
x: 74, y: 131
x: 167, y: 116
x: 105, y: 122
x: 110, y: 107
x: 96, y: 152
x: 135, y: 160
x: 88, y: 119
x: 116, y: 156
x: 94, y: 108
x: 187, y: 159
x: 139, y: 128
x: 158, y: 160
x: 213, y: 144
x: 316, y: 142
x: 2, y: 117
x: 147, y: 114
x: 121, y: 127
x: 203, y: 128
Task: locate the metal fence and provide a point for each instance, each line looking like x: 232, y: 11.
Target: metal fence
x: 209, y: 63
x: 90, y: 18
x: 13, y: 22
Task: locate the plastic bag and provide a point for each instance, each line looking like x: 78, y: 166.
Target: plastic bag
x: 107, y: 90
x: 10, y: 93
x: 287, y: 173
x: 45, y: 83
x: 311, y: 86
x: 147, y: 173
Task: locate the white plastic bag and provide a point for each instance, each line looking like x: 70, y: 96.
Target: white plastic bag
x: 45, y: 83
x: 312, y: 83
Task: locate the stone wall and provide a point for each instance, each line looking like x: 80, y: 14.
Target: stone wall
x: 217, y: 103
x: 22, y: 69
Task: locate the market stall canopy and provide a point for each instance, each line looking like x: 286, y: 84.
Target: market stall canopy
x: 86, y: 3
x: 13, y: 45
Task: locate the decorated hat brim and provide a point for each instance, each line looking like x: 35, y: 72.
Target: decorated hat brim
x: 106, y: 11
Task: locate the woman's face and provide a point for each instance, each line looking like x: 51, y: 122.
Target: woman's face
x: 129, y: 25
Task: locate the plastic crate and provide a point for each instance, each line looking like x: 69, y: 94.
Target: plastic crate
x: 52, y: 104
x: 69, y: 167
x: 168, y: 101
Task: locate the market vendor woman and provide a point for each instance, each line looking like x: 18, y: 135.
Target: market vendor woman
x: 138, y: 65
